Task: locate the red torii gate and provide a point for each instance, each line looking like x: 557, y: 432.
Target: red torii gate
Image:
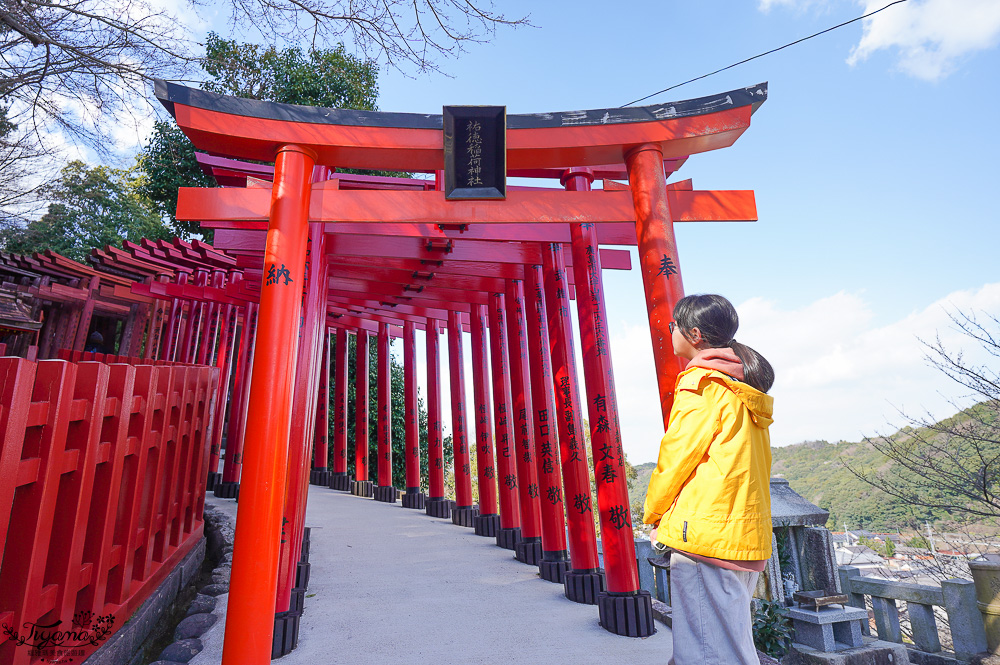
x: 554, y: 561
x: 569, y: 144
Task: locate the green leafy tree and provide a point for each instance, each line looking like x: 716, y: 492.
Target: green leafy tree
x: 91, y: 207
x: 167, y: 162
x: 330, y: 78
x: 884, y: 548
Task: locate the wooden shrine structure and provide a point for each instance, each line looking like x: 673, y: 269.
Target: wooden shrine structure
x: 382, y: 255
x: 306, y: 256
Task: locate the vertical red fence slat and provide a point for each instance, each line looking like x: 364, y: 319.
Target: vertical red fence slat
x: 98, y: 551
x: 25, y: 588
x: 70, y: 520
x: 141, y: 443
x: 150, y: 516
x: 17, y: 376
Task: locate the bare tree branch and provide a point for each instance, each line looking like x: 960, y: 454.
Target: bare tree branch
x: 953, y: 464
x: 74, y: 70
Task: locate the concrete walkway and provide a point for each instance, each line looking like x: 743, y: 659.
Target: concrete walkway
x: 389, y: 584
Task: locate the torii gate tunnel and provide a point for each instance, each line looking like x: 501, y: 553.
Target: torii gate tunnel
x: 388, y: 256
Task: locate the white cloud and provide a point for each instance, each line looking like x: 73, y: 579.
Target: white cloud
x: 839, y: 374
x: 929, y: 37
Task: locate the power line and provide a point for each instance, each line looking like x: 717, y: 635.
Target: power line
x: 761, y: 55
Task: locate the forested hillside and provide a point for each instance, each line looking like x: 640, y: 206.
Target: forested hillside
x: 637, y: 493
x: 816, y: 470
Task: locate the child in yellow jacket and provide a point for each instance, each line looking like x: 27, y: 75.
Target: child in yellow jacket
x: 709, y: 496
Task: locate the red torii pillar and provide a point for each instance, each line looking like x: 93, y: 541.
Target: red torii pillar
x: 661, y: 272
x: 339, y: 480
x: 320, y: 473
x: 224, y: 361
x: 555, y: 554
x: 488, y: 521
x: 361, y: 485
x: 285, y: 621
x: 176, y: 320
x: 195, y: 320
x: 209, y: 327
x: 436, y: 505
x: 624, y: 609
x: 293, y: 572
x: 463, y: 512
x: 529, y: 546
x: 384, y: 491
x: 585, y: 580
x: 229, y: 488
x: 154, y: 327
x: 413, y: 498
x: 249, y: 626
x: 510, y: 518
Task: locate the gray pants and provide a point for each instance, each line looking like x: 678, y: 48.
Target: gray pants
x: 711, y: 613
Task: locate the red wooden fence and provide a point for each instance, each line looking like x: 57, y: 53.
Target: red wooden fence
x: 102, y: 485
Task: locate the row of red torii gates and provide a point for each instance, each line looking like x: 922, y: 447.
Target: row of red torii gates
x: 318, y: 250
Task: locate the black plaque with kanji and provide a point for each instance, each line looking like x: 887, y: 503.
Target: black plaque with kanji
x: 475, y: 152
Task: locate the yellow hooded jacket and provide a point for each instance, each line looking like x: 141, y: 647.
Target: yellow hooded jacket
x: 710, y: 492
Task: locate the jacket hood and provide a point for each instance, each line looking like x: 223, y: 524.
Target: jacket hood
x: 760, y: 405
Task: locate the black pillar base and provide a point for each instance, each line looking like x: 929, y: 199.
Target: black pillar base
x: 319, y: 476
x: 529, y: 551
x: 554, y: 566
x: 286, y: 633
x: 340, y: 481
x: 361, y: 488
x: 297, y: 601
x: 302, y: 575
x: 214, y: 478
x: 438, y: 507
x: 583, y: 586
x: 486, y: 525
x: 227, y: 490
x: 386, y: 493
x: 627, y: 614
x: 414, y: 498
x: 464, y: 515
x: 508, y: 538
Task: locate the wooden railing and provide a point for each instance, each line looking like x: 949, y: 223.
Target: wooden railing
x: 102, y: 484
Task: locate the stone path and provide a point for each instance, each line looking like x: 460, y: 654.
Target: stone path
x: 389, y: 584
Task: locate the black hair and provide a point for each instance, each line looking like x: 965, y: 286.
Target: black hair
x: 717, y: 321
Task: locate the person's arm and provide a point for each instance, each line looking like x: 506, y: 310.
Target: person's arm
x: 694, y: 423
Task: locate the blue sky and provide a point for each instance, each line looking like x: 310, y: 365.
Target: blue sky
x: 873, y: 163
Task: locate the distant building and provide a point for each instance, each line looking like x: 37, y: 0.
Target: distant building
x: 853, y: 536
x: 857, y: 555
